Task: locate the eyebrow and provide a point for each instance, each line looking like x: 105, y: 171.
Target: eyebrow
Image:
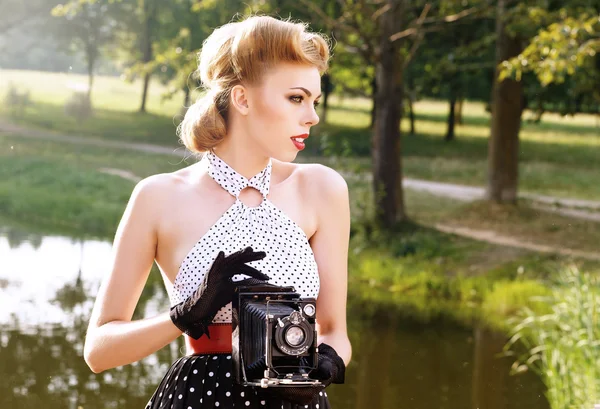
x: 307, y: 91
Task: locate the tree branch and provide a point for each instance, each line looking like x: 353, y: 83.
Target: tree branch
x: 454, y: 17
x: 421, y: 34
x: 437, y: 22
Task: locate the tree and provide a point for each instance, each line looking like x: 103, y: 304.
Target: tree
x: 402, y: 31
x: 386, y: 35
x: 565, y: 43
x: 568, y: 47
x: 456, y: 64
x: 148, y: 10
x: 88, y: 26
x: 507, y: 107
x: 387, y: 169
x: 184, y: 26
x: 14, y: 13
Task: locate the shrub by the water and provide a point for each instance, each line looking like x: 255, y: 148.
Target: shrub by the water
x: 563, y: 346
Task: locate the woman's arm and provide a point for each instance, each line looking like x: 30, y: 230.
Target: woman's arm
x: 330, y: 247
x: 112, y: 338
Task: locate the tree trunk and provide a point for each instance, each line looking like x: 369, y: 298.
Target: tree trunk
x: 451, y: 117
x: 91, y: 62
x: 326, y: 85
x: 186, y: 97
x: 387, y: 171
x: 374, y: 97
x: 458, y: 111
x: 507, y: 107
x: 145, y: 92
x: 411, y: 111
x: 149, y: 16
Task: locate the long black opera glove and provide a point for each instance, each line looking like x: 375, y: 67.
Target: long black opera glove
x: 331, y: 369
x: 194, y: 315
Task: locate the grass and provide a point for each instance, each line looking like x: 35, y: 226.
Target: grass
x: 558, y: 156
x: 564, y: 342
x: 54, y: 185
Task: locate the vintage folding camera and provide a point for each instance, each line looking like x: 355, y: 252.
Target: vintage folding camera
x: 274, y: 340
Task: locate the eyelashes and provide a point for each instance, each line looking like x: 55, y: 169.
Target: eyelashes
x: 299, y: 98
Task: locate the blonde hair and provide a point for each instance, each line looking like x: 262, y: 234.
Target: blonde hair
x: 242, y: 52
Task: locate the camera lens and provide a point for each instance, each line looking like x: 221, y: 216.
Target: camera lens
x: 294, y: 336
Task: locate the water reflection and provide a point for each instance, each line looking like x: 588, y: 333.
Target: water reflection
x: 397, y: 362
x: 37, y: 269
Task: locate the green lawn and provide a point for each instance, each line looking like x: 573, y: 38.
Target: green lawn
x: 59, y: 186
x: 557, y: 157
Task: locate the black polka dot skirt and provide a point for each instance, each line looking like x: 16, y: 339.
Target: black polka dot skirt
x: 206, y: 381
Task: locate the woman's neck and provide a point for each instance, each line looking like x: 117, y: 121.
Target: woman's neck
x: 243, y: 159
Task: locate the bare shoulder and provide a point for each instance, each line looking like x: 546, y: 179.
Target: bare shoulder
x: 157, y: 191
x: 322, y: 181
x: 323, y: 190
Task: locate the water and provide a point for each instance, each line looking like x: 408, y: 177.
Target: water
x: 47, y: 285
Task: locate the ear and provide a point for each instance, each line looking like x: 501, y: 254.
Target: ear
x: 239, y: 99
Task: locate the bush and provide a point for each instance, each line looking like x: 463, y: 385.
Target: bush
x: 79, y: 107
x: 17, y: 101
x: 564, y: 344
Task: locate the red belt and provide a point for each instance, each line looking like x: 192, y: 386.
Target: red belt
x: 218, y: 343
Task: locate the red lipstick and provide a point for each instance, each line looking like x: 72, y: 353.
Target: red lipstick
x: 298, y: 141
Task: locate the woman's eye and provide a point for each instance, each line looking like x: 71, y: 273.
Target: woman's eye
x: 300, y: 98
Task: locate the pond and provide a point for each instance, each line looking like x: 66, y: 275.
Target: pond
x: 47, y: 285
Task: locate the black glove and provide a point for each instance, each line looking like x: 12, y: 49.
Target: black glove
x: 330, y: 369
x: 194, y: 315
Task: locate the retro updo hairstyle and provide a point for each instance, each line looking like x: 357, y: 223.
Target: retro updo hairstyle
x: 242, y: 52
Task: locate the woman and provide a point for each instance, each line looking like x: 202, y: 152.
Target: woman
x: 243, y: 212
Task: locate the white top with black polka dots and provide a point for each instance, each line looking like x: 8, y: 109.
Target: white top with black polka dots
x: 289, y: 259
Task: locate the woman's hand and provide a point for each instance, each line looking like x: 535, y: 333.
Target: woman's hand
x: 194, y: 315
x: 330, y: 369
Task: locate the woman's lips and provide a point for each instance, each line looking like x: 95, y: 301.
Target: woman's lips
x: 298, y: 141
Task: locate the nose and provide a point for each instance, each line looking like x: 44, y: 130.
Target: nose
x: 313, y: 118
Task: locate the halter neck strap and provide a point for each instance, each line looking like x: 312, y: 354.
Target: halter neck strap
x: 230, y: 180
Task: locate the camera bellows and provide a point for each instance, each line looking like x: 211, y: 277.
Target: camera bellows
x: 255, y: 314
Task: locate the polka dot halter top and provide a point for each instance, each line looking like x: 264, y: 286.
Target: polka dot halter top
x: 289, y: 259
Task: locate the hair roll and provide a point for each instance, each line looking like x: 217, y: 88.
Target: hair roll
x: 204, y: 123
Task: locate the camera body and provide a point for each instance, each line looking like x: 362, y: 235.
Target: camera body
x: 274, y: 338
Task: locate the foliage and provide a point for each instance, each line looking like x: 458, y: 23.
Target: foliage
x: 17, y: 101
x: 566, y: 45
x: 564, y: 344
x: 88, y: 26
x: 15, y: 13
x: 79, y: 107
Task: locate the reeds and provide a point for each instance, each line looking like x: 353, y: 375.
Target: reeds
x: 563, y: 346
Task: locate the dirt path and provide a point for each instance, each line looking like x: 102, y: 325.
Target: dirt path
x: 583, y: 209
x: 9, y: 128
x: 495, y: 238
x: 469, y: 193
